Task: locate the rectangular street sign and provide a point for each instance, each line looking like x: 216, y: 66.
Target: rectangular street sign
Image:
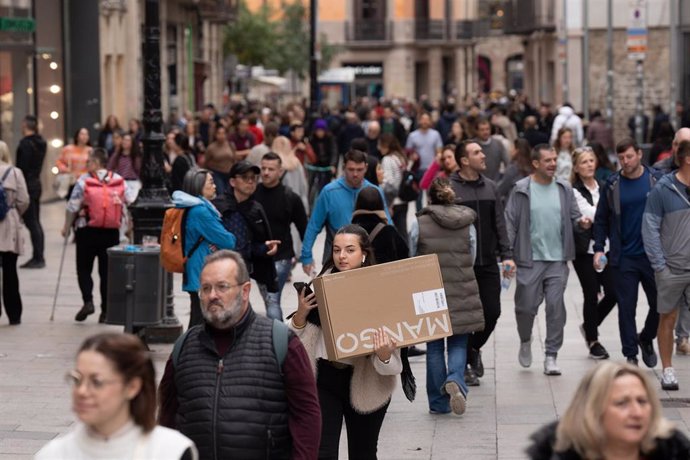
x: 27, y: 25
x: 637, y: 30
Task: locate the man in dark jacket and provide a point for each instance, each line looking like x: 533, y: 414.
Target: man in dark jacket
x: 350, y: 131
x: 30, y: 155
x: 619, y: 218
x: 283, y: 207
x: 446, y: 120
x: 324, y: 169
x: 478, y: 192
x: 240, y: 385
x: 245, y: 218
x: 532, y: 133
x: 390, y: 124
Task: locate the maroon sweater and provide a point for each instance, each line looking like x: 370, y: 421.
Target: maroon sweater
x: 304, y: 418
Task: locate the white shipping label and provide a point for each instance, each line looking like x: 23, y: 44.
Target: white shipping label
x: 429, y: 301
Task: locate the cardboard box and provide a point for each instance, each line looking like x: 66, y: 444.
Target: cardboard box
x: 405, y: 297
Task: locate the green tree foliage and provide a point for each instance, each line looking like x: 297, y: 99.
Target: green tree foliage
x: 251, y: 37
x: 282, y: 44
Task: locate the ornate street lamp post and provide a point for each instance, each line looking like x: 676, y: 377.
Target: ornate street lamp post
x: 149, y: 208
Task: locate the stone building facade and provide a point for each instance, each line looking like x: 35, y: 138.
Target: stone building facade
x: 191, y: 55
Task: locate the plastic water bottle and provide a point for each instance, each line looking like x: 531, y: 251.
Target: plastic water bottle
x: 505, y: 281
x: 603, y: 260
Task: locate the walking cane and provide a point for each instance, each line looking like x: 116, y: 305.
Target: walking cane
x: 57, y: 286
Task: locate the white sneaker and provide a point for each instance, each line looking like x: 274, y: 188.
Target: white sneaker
x: 458, y: 401
x: 669, y: 382
x: 550, y: 366
x: 525, y: 354
x: 683, y: 346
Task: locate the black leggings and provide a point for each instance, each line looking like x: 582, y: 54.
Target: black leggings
x: 194, y: 310
x: 489, y: 282
x: 362, y: 429
x: 93, y: 243
x: 32, y: 220
x: 593, y: 311
x: 10, y: 287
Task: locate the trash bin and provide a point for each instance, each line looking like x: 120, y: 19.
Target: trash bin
x: 135, y: 286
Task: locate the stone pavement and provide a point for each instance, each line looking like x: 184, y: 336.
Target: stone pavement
x: 510, y: 404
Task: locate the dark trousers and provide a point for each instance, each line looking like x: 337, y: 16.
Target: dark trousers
x: 362, y: 429
x: 418, y: 174
x: 32, y: 220
x: 630, y: 272
x: 10, y: 287
x: 489, y: 282
x: 593, y: 311
x: 194, y: 310
x: 93, y: 243
x: 399, y: 218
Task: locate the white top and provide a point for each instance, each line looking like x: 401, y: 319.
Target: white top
x: 589, y: 210
x: 129, y: 443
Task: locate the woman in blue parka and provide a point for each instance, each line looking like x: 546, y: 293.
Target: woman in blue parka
x: 202, y: 228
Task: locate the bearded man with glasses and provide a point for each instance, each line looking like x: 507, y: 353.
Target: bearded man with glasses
x: 240, y: 385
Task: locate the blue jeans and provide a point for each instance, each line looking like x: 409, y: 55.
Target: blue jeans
x: 436, y: 373
x: 272, y: 299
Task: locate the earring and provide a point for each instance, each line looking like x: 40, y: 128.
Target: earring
x: 364, y: 258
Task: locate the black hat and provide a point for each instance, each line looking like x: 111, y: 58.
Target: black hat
x: 242, y: 167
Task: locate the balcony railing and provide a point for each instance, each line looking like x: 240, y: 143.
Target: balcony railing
x: 217, y: 10
x: 430, y: 29
x: 527, y: 16
x: 369, y: 30
x: 477, y: 28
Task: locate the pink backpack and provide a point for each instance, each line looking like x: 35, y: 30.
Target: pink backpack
x: 104, y: 200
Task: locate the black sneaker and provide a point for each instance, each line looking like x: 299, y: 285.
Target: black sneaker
x: 648, y: 353
x: 471, y: 378
x: 101, y: 317
x: 597, y: 351
x: 474, y: 359
x: 33, y: 264
x: 414, y: 351
x: 85, y: 311
x: 632, y: 360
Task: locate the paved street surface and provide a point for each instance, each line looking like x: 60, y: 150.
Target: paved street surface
x: 511, y: 402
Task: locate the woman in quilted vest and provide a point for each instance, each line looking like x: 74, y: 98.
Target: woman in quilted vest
x: 357, y: 389
x: 114, y: 398
x: 11, y: 234
x: 447, y: 229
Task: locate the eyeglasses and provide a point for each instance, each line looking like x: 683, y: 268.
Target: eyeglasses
x: 248, y: 178
x: 221, y: 288
x: 75, y: 380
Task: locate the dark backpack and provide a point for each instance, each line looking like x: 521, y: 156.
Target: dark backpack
x: 4, y: 205
x: 409, y: 187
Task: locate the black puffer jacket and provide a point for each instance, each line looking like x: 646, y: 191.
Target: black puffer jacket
x: 675, y: 447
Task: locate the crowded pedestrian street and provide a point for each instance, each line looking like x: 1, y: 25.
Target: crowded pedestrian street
x: 509, y: 405
x: 347, y: 229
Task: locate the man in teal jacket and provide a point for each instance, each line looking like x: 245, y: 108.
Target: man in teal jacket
x: 335, y: 205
